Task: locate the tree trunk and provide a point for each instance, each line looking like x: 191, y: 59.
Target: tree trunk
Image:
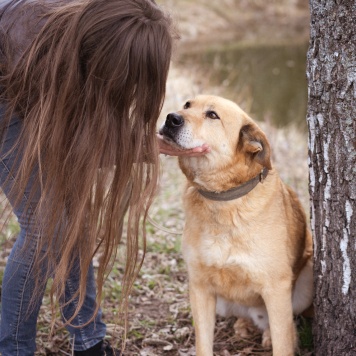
x: 332, y: 167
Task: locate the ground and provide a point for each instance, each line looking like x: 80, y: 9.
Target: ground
x: 160, y: 318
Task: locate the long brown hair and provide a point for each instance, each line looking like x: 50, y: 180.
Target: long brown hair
x: 89, y: 90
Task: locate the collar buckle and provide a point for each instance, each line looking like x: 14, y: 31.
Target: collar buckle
x: 262, y: 176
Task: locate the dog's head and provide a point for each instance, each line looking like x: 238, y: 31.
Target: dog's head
x: 237, y: 144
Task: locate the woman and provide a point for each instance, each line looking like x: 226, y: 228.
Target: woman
x: 83, y: 83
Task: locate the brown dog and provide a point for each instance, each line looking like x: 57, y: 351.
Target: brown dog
x: 246, y: 241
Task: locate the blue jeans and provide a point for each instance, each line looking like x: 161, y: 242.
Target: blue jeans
x: 19, y: 311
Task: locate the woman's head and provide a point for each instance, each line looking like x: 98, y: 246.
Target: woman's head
x: 125, y: 50
x: 125, y: 54
x: 90, y: 89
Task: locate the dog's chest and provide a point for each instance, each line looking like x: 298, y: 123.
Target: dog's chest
x: 221, y: 246
x: 226, y: 262
x: 224, y: 251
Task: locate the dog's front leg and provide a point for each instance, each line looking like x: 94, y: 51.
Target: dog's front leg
x: 278, y: 300
x: 203, y: 304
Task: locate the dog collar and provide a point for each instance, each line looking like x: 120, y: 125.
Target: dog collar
x: 237, y: 192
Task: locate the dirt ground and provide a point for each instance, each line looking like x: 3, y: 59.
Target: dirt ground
x: 160, y: 318
x: 202, y: 23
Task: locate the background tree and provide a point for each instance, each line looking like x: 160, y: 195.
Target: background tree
x: 332, y: 152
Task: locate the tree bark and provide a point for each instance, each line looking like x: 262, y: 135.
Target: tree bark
x: 332, y: 168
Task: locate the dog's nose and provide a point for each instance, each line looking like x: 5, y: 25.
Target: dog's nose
x: 174, y: 120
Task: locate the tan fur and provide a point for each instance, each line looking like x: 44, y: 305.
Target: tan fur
x: 244, y: 256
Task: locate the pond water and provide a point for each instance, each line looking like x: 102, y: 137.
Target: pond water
x: 268, y: 81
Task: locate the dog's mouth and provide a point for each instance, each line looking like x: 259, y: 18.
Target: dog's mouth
x: 169, y: 137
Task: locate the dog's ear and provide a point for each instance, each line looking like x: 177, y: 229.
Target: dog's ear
x: 254, y: 143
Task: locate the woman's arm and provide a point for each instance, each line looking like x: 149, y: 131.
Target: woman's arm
x: 167, y: 149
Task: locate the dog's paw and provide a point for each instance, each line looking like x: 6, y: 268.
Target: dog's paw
x: 244, y: 328
x: 266, y: 339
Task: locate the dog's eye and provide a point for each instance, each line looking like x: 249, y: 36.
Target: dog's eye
x: 186, y: 105
x: 212, y: 115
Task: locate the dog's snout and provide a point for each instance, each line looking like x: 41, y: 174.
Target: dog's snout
x: 174, y: 120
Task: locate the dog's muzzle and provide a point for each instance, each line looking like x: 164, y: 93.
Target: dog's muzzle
x: 172, y: 125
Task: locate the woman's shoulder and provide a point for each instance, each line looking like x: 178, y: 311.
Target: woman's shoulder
x: 20, y: 22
